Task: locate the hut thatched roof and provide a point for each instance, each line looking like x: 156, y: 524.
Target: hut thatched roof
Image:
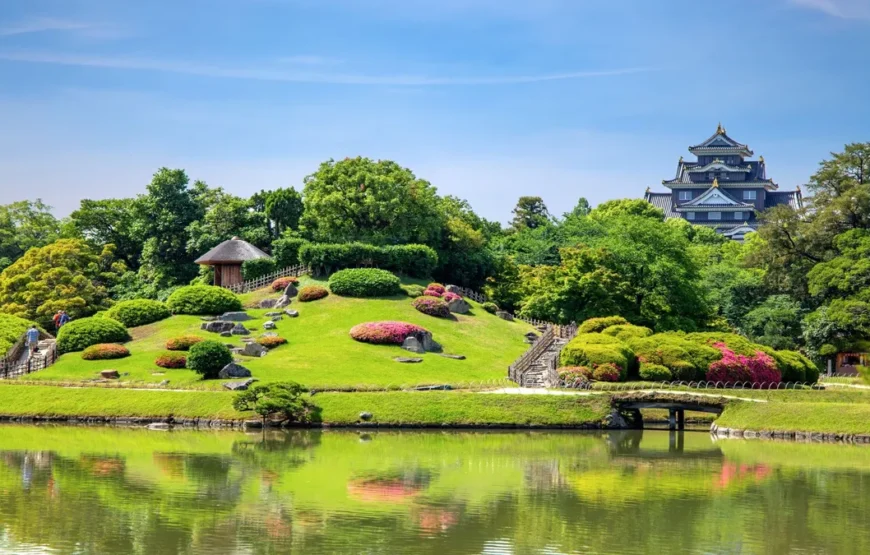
x: 230, y: 252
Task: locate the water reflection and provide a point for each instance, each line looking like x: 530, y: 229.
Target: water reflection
x: 86, y: 490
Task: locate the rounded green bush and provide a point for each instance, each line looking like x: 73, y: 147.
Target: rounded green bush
x: 654, y: 372
x: 687, y: 360
x: 208, y: 358
x: 579, y: 353
x: 596, y: 339
x: 597, y: 325
x: 413, y: 290
x: 490, y: 307
x: 364, y: 282
x: 138, y: 312
x: 203, y: 299
x: 81, y: 334
x: 627, y: 332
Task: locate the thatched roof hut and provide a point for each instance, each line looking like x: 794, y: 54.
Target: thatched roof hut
x: 227, y: 259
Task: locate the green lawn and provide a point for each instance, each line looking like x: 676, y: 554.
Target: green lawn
x: 844, y: 418
x: 320, y: 352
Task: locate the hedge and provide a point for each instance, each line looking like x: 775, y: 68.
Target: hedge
x: 203, y: 299
x: 286, y: 251
x: 183, y: 342
x: 687, y: 360
x: 597, y: 325
x: 81, y: 334
x: 579, y: 353
x: 105, y: 351
x: 364, y: 282
x: 208, y: 358
x: 138, y: 312
x: 654, y: 372
x: 311, y: 293
x: 257, y: 268
x: 171, y: 360
x: 627, y: 332
x: 412, y: 260
x: 432, y: 306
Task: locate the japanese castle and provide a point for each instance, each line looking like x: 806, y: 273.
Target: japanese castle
x: 722, y: 189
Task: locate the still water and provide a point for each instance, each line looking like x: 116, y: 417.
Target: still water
x: 106, y: 491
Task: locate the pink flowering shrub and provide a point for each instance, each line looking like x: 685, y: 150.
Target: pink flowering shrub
x: 607, y: 372
x: 384, y: 333
x: 432, y: 306
x: 432, y: 293
x: 733, y: 368
x: 437, y: 287
x: 448, y: 296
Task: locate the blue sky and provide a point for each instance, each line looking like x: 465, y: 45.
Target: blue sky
x: 487, y: 99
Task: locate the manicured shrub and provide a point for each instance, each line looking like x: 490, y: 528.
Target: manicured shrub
x: 607, y: 372
x: 794, y: 366
x: 105, y: 351
x: 286, y: 251
x: 490, y: 307
x: 257, y: 268
x: 384, y: 333
x: 432, y: 306
x: 364, y: 282
x: 171, y: 360
x: 627, y: 332
x: 183, y: 342
x: 597, y: 325
x: 203, y: 299
x: 432, y: 293
x: 735, y: 342
x: 81, y: 334
x: 413, y: 290
x: 138, y: 312
x: 654, y: 372
x: 437, y: 287
x: 580, y: 353
x: 271, y: 341
x: 687, y: 361
x: 448, y: 297
x: 311, y: 293
x: 208, y: 358
x: 281, y: 283
x: 734, y: 368
x: 596, y: 339
x: 412, y: 260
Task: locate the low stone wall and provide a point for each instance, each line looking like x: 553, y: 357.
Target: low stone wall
x: 809, y: 437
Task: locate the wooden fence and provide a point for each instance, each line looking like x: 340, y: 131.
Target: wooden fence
x: 10, y: 368
x: 263, y: 281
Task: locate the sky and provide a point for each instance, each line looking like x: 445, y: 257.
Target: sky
x: 489, y: 100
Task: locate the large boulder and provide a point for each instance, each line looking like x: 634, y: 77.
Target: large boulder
x: 454, y: 289
x: 282, y: 302
x: 425, y: 339
x: 239, y: 329
x: 235, y: 317
x: 217, y: 326
x: 268, y: 303
x: 254, y: 350
x: 504, y: 315
x: 290, y: 291
x: 240, y: 386
x: 459, y: 306
x: 414, y: 345
x: 234, y: 370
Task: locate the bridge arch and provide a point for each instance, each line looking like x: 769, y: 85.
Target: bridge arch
x: 675, y: 402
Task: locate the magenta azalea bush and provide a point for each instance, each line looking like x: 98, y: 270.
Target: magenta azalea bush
x: 432, y: 293
x: 432, y: 306
x: 607, y: 372
x: 733, y: 368
x: 384, y: 333
x: 437, y: 287
x: 448, y: 296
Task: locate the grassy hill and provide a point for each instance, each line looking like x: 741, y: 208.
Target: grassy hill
x: 320, y: 352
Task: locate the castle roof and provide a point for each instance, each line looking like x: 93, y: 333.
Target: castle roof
x: 755, y: 173
x: 665, y: 201
x: 720, y: 143
x: 233, y: 251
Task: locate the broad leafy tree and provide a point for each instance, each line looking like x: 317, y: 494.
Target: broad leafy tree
x: 23, y: 225
x: 110, y: 221
x: 284, y: 207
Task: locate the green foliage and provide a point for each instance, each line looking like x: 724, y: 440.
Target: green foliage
x: 842, y: 324
x: 847, y: 274
x: 627, y: 332
x: 312, y: 293
x: 413, y: 290
x: 171, y: 360
x: 224, y: 216
x: 463, y: 255
x: 138, y: 312
x: 364, y: 282
x: 530, y: 213
x: 284, y: 207
x: 626, y: 207
x: 208, y: 358
x: 775, y: 322
x: 259, y: 267
x: 358, y: 199
x: 608, y: 372
x: 795, y: 367
x: 23, y: 226
x: 286, y: 251
x: 490, y: 307
x: 203, y: 299
x: 579, y: 352
x: 598, y: 325
x: 105, y: 351
x: 686, y: 360
x: 12, y: 328
x: 110, y: 221
x: 652, y: 372
x: 283, y: 401
x: 65, y: 275
x: 78, y: 335
x: 412, y: 260
x: 183, y: 342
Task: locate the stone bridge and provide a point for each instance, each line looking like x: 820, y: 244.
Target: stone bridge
x: 676, y: 402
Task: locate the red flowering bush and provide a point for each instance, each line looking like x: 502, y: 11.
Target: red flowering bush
x: 448, y: 296
x: 733, y: 368
x: 271, y: 341
x: 105, y: 351
x: 432, y: 293
x: 437, y: 287
x: 384, y: 333
x: 607, y: 372
x: 432, y: 306
x: 183, y: 342
x: 574, y: 376
x: 311, y: 293
x: 171, y: 360
x: 281, y: 283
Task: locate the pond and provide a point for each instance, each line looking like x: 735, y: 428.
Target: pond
x: 113, y: 490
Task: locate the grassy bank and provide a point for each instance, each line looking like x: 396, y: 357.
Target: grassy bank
x: 843, y: 418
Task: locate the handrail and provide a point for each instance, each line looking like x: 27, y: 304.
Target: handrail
x: 263, y: 281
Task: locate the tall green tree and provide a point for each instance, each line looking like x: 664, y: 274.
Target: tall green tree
x: 110, y: 221
x: 23, y: 225
x: 530, y: 213
x: 226, y: 216
x: 284, y: 207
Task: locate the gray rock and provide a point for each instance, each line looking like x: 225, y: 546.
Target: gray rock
x: 235, y: 317
x: 217, y: 326
x: 429, y: 344
x: 226, y: 334
x: 240, y: 386
x: 239, y: 329
x: 272, y: 314
x: 505, y: 315
x: 277, y: 318
x: 269, y: 325
x: 366, y: 416
x: 230, y: 345
x: 209, y: 318
x: 291, y: 313
x: 234, y: 370
x: 408, y: 359
x: 282, y: 302
x: 290, y: 291
x: 413, y: 344
x: 163, y: 383
x: 459, y: 306
x: 453, y: 289
x: 236, y: 350
x: 445, y: 387
x: 532, y: 336
x: 254, y: 350
x: 454, y: 357
x: 268, y: 303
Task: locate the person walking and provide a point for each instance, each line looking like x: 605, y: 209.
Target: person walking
x: 64, y: 318
x: 32, y: 339
x: 56, y: 319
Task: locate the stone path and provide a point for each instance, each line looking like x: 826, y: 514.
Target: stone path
x: 535, y: 376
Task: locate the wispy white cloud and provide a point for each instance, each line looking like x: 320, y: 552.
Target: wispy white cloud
x: 282, y: 74
x: 47, y: 25
x: 844, y: 9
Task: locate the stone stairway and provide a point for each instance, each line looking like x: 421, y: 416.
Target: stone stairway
x: 536, y: 375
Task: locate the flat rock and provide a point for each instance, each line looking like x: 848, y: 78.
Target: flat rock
x: 240, y: 386
x: 235, y: 317
x: 413, y: 345
x: 408, y: 359
x: 234, y: 370
x: 269, y: 325
x: 254, y: 350
x: 504, y: 315
x: 226, y: 334
x: 272, y: 314
x: 459, y: 306
x: 239, y: 329
x: 291, y: 313
x: 218, y: 326
x: 163, y: 383
x: 454, y: 357
x: 268, y: 303
x: 277, y: 318
x: 110, y: 374
x: 282, y: 302
x: 209, y: 318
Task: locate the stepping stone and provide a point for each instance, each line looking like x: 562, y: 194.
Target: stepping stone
x: 408, y: 359
x: 269, y: 325
x: 292, y: 313
x: 240, y: 386
x: 234, y: 370
x: 454, y: 357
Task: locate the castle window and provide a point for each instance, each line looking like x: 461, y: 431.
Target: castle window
x: 711, y: 176
x: 690, y: 215
x: 714, y: 216
x: 750, y: 195
x: 685, y: 195
x: 738, y: 215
